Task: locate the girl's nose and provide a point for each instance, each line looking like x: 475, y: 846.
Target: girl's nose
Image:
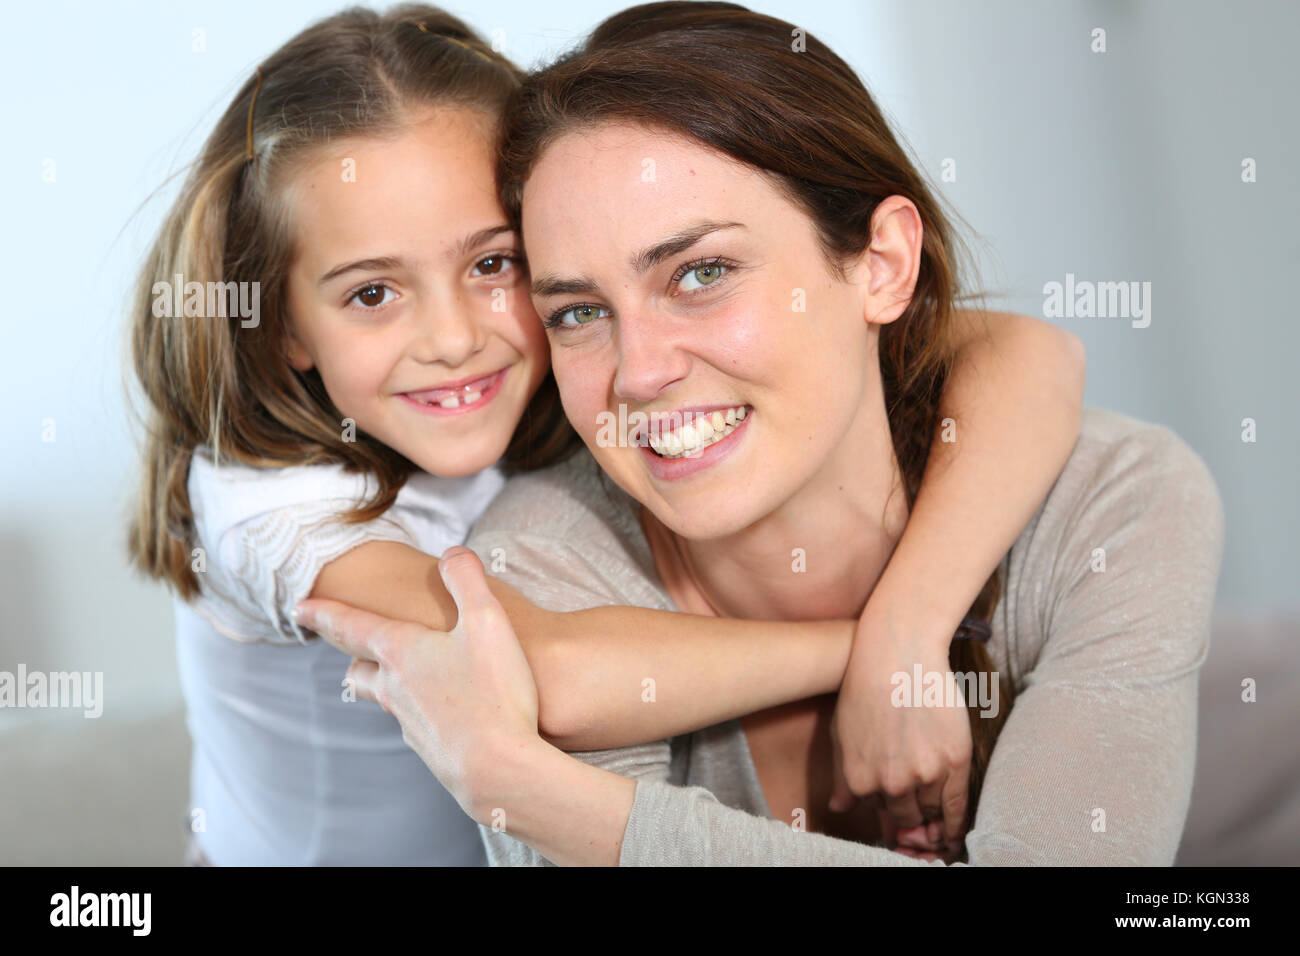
x: 450, y: 331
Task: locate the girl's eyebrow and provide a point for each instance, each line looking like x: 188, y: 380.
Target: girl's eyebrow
x: 642, y: 262
x: 378, y: 262
x: 473, y: 241
x: 464, y: 247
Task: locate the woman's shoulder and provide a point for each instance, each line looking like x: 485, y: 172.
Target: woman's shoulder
x: 571, y: 498
x: 1126, y: 477
x: 1120, y: 457
x: 572, y: 538
x: 1130, y: 538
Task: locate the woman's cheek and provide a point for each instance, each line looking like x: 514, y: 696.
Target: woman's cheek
x: 584, y: 389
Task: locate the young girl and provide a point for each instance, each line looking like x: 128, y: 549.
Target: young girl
x: 351, y: 425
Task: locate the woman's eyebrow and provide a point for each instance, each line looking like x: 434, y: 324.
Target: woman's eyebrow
x: 647, y: 259
x: 642, y: 262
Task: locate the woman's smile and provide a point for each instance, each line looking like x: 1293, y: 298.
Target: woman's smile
x: 684, y: 444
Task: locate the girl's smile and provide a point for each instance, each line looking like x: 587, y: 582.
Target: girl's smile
x: 457, y: 398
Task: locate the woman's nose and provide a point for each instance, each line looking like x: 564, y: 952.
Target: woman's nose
x: 649, y: 357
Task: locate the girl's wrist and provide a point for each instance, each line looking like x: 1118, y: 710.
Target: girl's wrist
x: 926, y: 622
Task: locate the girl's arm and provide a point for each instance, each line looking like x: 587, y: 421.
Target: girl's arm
x: 1011, y: 411
x: 1013, y: 404
x: 591, y: 665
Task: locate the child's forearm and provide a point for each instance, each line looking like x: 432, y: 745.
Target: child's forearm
x: 613, y: 676
x: 628, y: 675
x: 1013, y: 405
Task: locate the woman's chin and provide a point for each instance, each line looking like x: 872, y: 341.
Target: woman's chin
x: 698, y: 517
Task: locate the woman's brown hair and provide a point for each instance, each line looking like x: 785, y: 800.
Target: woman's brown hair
x: 215, y: 382
x: 763, y: 92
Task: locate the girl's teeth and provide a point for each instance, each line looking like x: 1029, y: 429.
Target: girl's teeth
x: 453, y: 401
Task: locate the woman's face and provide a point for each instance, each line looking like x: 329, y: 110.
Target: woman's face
x: 408, y: 292
x: 680, y: 284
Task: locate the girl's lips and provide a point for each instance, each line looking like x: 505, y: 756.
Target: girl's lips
x: 486, y: 388
x: 671, y: 469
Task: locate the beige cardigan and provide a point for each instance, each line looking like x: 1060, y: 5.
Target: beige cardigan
x: 1095, y: 762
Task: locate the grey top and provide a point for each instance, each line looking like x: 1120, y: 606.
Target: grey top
x: 1094, y: 764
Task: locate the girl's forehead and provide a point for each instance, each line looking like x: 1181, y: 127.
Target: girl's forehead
x: 420, y: 191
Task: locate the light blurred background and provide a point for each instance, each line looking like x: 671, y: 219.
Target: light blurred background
x: 1123, y: 165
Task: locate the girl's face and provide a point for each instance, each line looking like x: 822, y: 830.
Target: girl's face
x: 678, y: 284
x: 408, y: 292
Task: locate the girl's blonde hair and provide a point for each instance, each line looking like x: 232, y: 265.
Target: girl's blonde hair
x: 225, y: 382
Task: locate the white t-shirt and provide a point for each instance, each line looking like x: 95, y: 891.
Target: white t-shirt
x: 285, y: 771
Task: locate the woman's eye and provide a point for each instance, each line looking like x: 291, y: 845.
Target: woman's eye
x: 492, y: 265
x: 372, y: 296
x: 701, y: 276
x: 578, y: 315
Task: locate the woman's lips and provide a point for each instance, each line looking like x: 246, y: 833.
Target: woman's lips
x: 468, y: 396
x: 671, y: 469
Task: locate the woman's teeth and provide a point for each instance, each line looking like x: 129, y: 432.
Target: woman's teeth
x: 697, y: 434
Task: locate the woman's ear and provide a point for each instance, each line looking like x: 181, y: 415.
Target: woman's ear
x: 888, y: 268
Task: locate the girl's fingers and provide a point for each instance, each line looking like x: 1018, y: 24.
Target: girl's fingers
x: 918, y: 838
x: 888, y: 829
x: 929, y: 796
x: 955, y: 795
x: 842, y: 798
x: 904, y: 809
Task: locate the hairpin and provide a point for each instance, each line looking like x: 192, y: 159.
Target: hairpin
x: 251, y: 103
x: 460, y: 43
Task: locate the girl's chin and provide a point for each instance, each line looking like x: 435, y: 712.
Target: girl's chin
x: 472, y: 458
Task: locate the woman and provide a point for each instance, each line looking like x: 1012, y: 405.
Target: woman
x: 752, y: 241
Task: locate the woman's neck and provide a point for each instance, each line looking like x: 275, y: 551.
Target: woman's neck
x: 816, y: 557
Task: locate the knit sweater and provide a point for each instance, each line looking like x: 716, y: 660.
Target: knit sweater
x: 1102, y: 627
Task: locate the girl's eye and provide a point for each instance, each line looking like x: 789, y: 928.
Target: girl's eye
x: 577, y: 315
x: 700, y: 276
x: 372, y: 296
x: 492, y: 265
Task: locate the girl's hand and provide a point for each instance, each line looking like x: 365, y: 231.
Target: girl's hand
x: 917, y: 757
x: 465, y: 699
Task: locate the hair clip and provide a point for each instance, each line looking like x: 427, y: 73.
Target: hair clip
x: 460, y: 43
x: 252, y: 103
